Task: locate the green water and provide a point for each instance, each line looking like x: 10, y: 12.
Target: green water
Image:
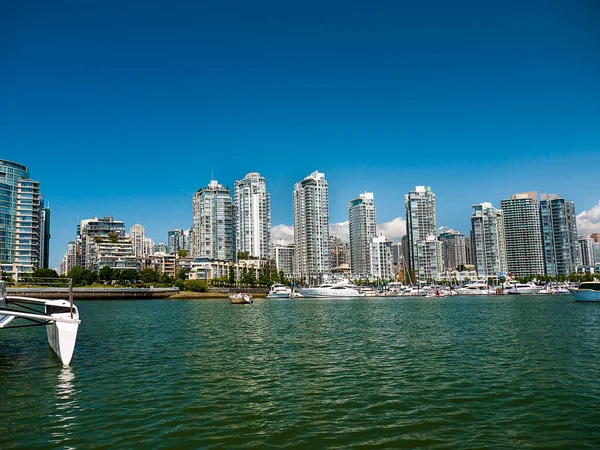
x: 460, y: 372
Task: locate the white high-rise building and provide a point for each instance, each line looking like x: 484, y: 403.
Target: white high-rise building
x: 252, y: 216
x: 362, y: 227
x: 424, y: 255
x: 283, y: 254
x: 381, y: 258
x: 213, y: 223
x: 137, y: 235
x: 311, y: 228
x: 488, y: 241
x: 522, y: 229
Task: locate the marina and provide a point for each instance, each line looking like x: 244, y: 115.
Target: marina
x: 456, y: 372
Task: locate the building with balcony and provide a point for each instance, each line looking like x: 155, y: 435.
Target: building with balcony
x: 252, y: 216
x: 559, y: 235
x: 488, y: 241
x: 362, y: 227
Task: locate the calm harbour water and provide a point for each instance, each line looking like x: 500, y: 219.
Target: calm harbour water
x: 461, y: 372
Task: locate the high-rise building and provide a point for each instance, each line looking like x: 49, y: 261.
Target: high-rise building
x: 339, y: 252
x: 283, y: 254
x: 453, y: 249
x: 488, y: 241
x: 70, y: 259
x: 213, y: 223
x: 102, y: 242
x: 252, y: 216
x: 362, y: 226
x: 469, y: 252
x: 137, y: 235
x: 587, y: 247
x: 421, y: 230
x: 311, y: 228
x: 382, y: 262
x: 522, y: 230
x: 559, y: 235
x: 175, y: 240
x: 24, y: 222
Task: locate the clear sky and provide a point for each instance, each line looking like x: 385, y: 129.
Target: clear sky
x: 126, y: 108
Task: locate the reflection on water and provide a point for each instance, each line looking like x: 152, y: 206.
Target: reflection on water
x: 65, y: 406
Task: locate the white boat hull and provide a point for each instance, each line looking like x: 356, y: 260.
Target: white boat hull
x: 62, y: 335
x: 313, y: 293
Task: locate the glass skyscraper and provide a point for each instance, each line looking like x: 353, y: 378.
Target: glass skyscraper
x: 559, y: 235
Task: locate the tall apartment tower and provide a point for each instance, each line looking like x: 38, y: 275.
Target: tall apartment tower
x: 283, y: 255
x: 559, y: 235
x: 362, y: 225
x: 424, y: 257
x: 252, y: 216
x: 213, y: 223
x: 24, y: 222
x: 339, y: 252
x: 587, y: 247
x: 382, y: 260
x: 488, y: 241
x: 311, y: 228
x: 453, y: 249
x: 522, y: 229
x: 137, y: 236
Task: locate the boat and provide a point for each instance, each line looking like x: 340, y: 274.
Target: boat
x: 367, y: 291
x: 279, y: 291
x: 588, y: 291
x: 477, y: 288
x: 60, y: 317
x: 240, y: 298
x: 331, y: 290
x: 524, y: 288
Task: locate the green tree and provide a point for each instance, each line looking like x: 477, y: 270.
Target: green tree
x: 231, y: 278
x: 114, y: 237
x: 248, y: 277
x: 243, y: 255
x: 182, y: 274
x: 106, y: 273
x: 77, y: 274
x: 182, y: 253
x: 89, y: 277
x: 44, y: 273
x: 195, y: 286
x: 165, y: 278
x: 149, y: 276
x: 128, y: 275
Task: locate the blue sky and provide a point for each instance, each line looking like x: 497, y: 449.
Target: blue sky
x: 126, y: 108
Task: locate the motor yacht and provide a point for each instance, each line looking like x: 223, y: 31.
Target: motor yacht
x: 331, y: 290
x: 279, y: 291
x: 477, y: 288
x: 588, y: 291
x: 524, y: 288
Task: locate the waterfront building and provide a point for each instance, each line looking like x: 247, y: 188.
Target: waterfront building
x: 162, y: 263
x: 213, y: 223
x: 311, y: 228
x: 453, y: 249
x: 252, y: 216
x: 362, y: 227
x: 469, y: 259
x: 587, y: 249
x: 382, y: 262
x: 396, y: 253
x: 283, y: 254
x: 137, y: 236
x: 488, y: 241
x: 161, y: 247
x: 424, y: 255
x: 70, y: 259
x: 559, y: 235
x: 149, y: 246
x: 102, y: 242
x: 522, y: 230
x: 339, y: 253
x: 178, y: 239
x: 24, y: 222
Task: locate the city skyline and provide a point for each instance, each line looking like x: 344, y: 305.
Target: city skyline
x: 127, y: 110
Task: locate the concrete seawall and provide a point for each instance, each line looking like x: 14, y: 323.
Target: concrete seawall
x: 94, y: 293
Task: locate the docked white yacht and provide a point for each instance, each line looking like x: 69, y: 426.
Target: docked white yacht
x: 279, y: 291
x: 60, y: 317
x: 331, y: 290
x: 524, y: 288
x: 476, y: 288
